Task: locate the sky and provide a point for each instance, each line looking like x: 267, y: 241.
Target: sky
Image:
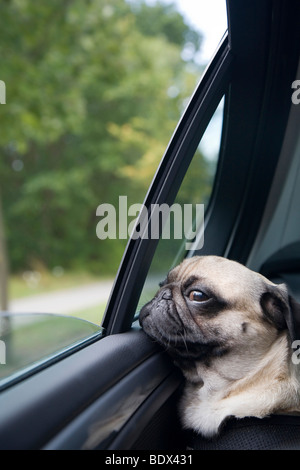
x: 208, y: 16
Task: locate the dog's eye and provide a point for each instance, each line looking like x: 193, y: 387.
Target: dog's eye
x: 198, y: 296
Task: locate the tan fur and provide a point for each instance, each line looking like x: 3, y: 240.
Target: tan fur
x: 272, y: 386
x: 256, y: 377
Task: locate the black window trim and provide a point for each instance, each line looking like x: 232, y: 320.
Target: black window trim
x: 139, y: 253
x: 255, y: 60
x: 274, y: 57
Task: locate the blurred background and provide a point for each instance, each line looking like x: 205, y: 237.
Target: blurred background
x: 94, y: 90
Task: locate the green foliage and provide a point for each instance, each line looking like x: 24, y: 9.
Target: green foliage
x: 89, y: 113
x: 165, y: 20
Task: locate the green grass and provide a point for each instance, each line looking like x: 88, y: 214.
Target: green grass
x: 35, y: 337
x: 92, y: 314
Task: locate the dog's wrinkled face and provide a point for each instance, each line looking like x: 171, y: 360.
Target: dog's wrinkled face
x: 210, y: 307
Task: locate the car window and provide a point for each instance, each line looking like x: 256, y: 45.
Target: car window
x: 277, y: 247
x: 184, y: 226
x: 100, y: 95
x: 27, y: 341
x: 90, y: 95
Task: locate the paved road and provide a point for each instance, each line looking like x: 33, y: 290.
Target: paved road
x: 64, y: 301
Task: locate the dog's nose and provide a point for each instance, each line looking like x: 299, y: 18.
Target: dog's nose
x: 167, y: 294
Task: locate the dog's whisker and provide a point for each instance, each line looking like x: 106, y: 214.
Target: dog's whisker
x: 184, y: 341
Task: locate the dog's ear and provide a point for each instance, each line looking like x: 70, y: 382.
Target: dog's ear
x: 282, y: 310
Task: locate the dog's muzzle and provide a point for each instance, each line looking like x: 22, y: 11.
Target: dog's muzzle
x: 176, y: 332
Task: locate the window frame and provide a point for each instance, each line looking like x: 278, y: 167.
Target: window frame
x: 171, y: 171
x: 261, y: 85
x: 248, y: 70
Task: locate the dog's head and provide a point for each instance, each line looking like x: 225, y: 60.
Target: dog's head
x: 209, y: 307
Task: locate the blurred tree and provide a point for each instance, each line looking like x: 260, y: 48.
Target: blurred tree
x: 3, y: 267
x: 163, y: 19
x: 93, y: 96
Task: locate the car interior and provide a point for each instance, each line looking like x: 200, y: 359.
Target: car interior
x: 119, y: 390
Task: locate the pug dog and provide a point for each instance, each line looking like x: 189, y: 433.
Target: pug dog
x: 230, y: 330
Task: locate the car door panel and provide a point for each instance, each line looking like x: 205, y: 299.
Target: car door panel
x: 114, y: 371
x: 117, y: 419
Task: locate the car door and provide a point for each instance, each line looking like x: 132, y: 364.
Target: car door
x: 118, y: 390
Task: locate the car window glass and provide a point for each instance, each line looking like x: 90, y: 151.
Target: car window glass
x: 277, y: 247
x: 184, y: 225
x: 27, y: 341
x: 90, y: 95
